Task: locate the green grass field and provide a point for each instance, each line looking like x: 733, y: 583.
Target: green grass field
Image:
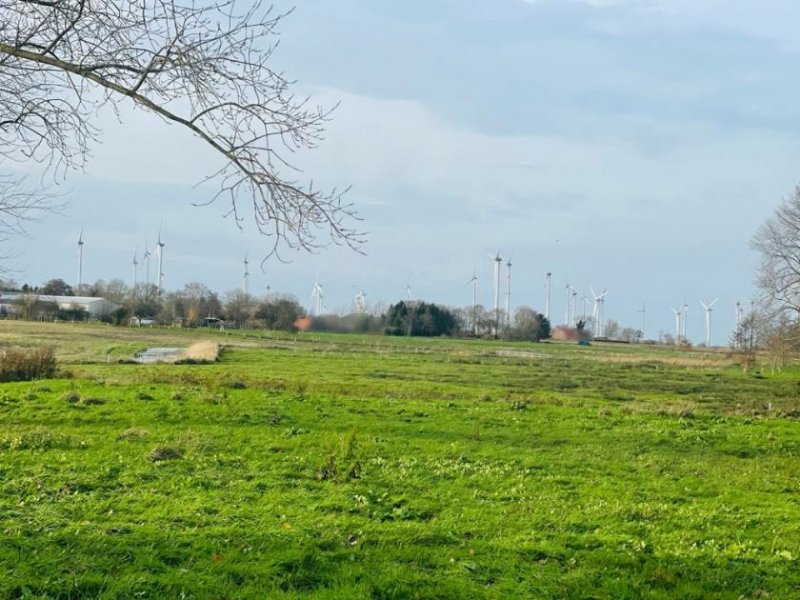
x: 332, y: 466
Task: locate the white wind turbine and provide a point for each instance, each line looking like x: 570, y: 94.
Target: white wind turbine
x: 678, y: 322
x: 685, y: 310
x: 146, y: 259
x: 409, y: 295
x: 361, y: 302
x: 497, y: 262
x: 574, y: 305
x: 474, y: 282
x: 547, y: 282
x: 708, y: 307
x: 160, y: 250
x: 80, y: 262
x: 599, y: 312
x: 567, y: 318
x: 317, y: 296
x: 584, y: 300
x: 135, y: 264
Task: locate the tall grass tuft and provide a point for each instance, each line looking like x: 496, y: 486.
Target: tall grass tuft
x: 17, y: 364
x: 342, y: 462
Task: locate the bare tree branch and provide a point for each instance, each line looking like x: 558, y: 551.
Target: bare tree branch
x: 202, y: 65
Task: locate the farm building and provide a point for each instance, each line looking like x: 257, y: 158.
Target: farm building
x: 95, y: 307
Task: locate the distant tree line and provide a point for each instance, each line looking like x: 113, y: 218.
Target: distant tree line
x: 196, y: 305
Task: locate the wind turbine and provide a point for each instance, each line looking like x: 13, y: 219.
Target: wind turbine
x: 409, y: 295
x: 160, y: 250
x: 598, y: 313
x: 547, y: 281
x: 317, y: 295
x: 567, y: 319
x: 508, y: 291
x: 135, y: 264
x: 685, y: 309
x: 246, y: 282
x: 574, y: 304
x: 146, y: 266
x: 584, y: 300
x: 678, y: 319
x: 497, y: 262
x: 739, y: 319
x: 709, y: 307
x: 474, y: 282
x: 644, y: 313
x: 80, y: 262
x: 361, y: 302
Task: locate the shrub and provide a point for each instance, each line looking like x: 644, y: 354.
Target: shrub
x: 17, y: 364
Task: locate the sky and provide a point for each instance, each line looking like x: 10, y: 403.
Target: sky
x: 632, y: 146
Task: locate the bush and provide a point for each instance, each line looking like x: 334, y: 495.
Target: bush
x: 26, y: 365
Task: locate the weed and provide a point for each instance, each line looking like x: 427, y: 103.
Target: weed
x: 144, y: 396
x: 342, y: 461
x: 71, y: 397
x: 133, y: 433
x: 37, y: 439
x: 162, y: 453
x: 93, y: 401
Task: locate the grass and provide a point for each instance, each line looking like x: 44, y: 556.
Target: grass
x: 362, y: 467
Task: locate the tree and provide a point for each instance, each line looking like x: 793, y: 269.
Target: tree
x: 238, y: 307
x: 18, y: 203
x: 419, y: 319
x: 778, y: 242
x: 612, y: 330
x: 56, y: 287
x: 279, y: 313
x: 529, y: 325
x: 204, y: 66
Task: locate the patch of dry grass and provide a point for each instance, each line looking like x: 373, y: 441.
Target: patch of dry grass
x: 202, y: 351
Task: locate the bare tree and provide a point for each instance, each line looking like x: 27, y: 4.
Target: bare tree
x: 202, y: 65
x: 778, y: 241
x: 18, y: 204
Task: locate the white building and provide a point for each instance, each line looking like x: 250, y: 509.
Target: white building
x: 93, y: 306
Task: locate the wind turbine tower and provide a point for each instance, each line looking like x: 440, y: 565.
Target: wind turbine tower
x: 678, y: 322
x: 246, y: 282
x: 709, y: 307
x: 567, y: 318
x: 474, y: 282
x: 508, y: 291
x: 361, y: 302
x: 685, y: 310
x: 599, y: 313
x: 547, y: 281
x: 574, y: 305
x: 80, y: 262
x: 409, y: 295
x: 135, y: 264
x: 160, y: 250
x: 497, y: 262
x: 644, y: 314
x: 317, y: 295
x: 146, y: 266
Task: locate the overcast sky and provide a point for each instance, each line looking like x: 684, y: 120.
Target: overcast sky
x: 628, y: 145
